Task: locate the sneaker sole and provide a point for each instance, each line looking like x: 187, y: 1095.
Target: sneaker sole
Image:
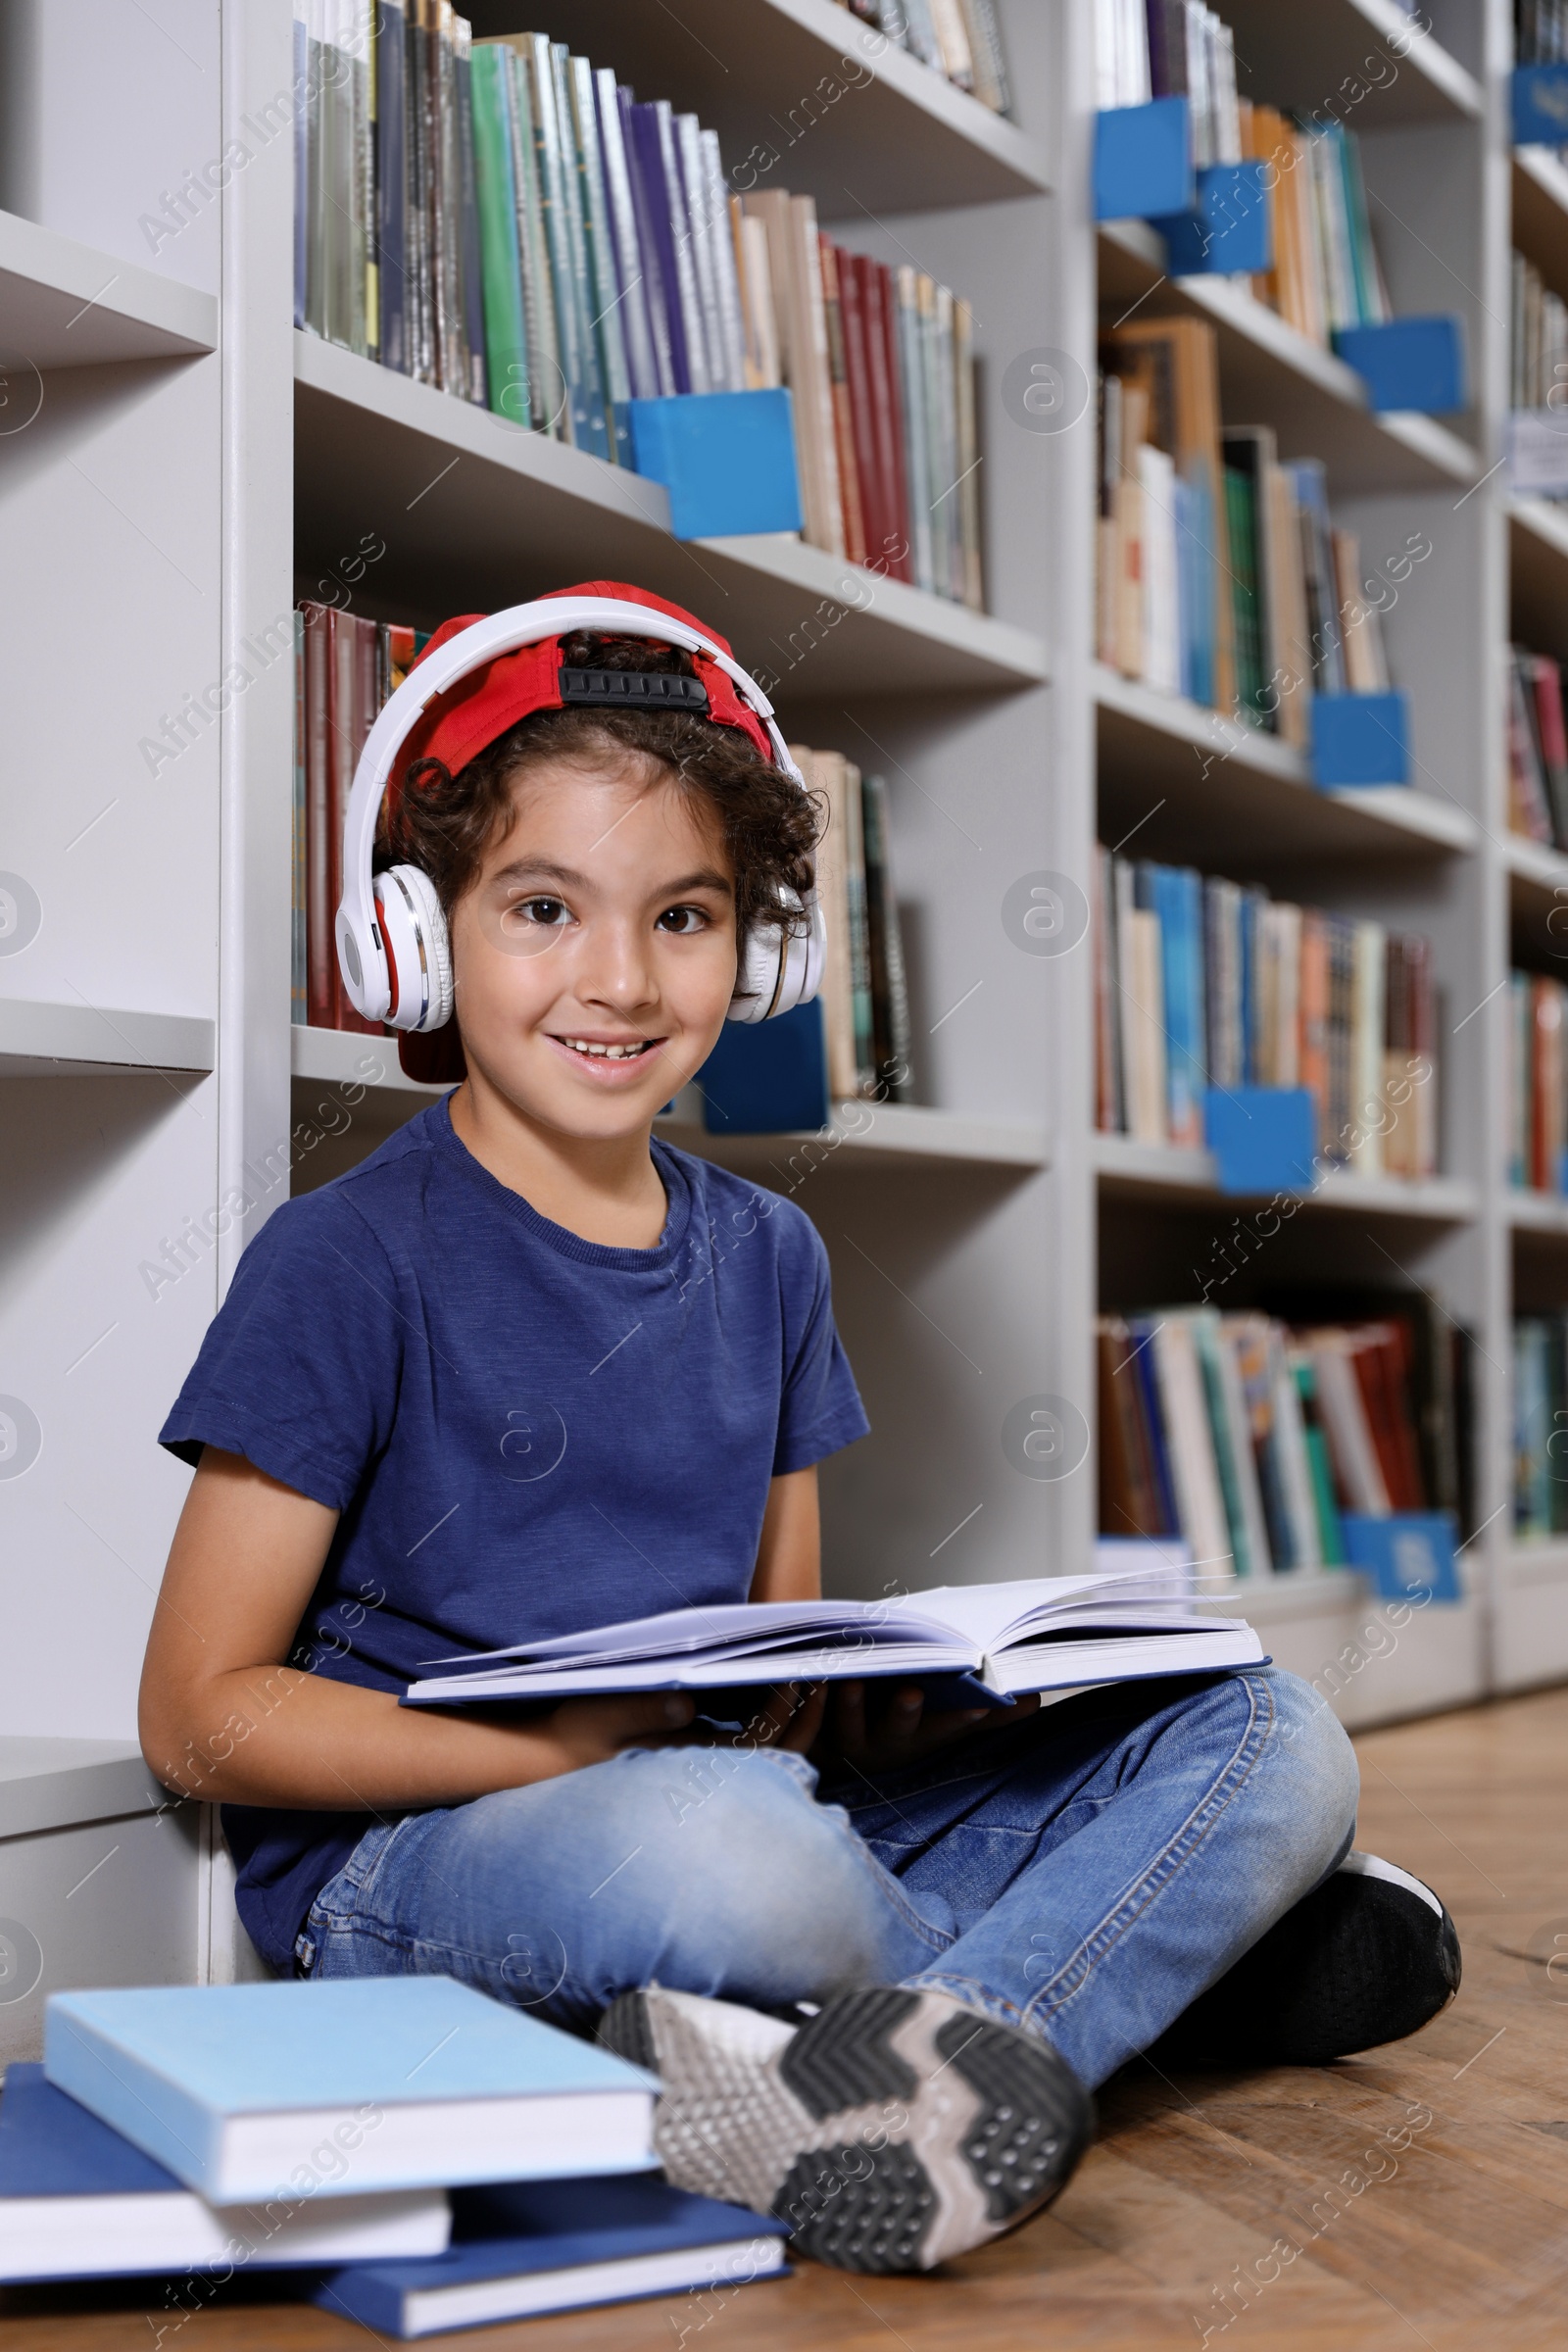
x: 892, y: 2131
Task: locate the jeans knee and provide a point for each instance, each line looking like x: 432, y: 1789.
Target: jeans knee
x: 1311, y: 1746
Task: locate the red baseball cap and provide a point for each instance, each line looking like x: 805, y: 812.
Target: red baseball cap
x: 471, y: 715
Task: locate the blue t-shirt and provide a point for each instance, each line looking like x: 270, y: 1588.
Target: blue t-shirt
x: 525, y: 1432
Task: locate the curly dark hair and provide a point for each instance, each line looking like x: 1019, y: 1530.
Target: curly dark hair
x: 443, y: 824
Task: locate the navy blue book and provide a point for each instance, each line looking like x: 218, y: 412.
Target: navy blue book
x: 391, y: 182
x: 559, y: 2245
x: 78, y: 2201
x: 656, y: 218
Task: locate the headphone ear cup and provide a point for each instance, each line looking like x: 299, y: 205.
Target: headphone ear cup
x: 781, y: 969
x: 419, y: 953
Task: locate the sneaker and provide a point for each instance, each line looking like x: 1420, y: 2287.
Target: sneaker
x: 890, y: 2132
x: 1368, y: 1957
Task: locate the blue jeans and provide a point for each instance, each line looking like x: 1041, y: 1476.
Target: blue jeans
x: 1084, y: 1874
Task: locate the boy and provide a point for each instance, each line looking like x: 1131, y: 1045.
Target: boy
x: 527, y: 1370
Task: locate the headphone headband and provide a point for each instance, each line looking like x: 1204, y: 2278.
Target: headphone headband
x: 361, y: 946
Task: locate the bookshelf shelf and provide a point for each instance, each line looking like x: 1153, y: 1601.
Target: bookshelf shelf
x: 84, y: 1040
x: 900, y: 138
x: 1538, y: 574
x: 864, y: 1135
x: 68, y: 305
x: 1136, y: 1171
x: 1224, y: 780
x: 1535, y: 870
x: 1537, y: 1213
x: 1271, y: 373
x: 1307, y: 58
x: 349, y: 1057
x: 476, y: 514
x: 1541, y: 208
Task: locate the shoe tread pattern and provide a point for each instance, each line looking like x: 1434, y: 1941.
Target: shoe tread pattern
x: 843, y: 2058
x: 858, y: 2208
x: 1032, y: 2117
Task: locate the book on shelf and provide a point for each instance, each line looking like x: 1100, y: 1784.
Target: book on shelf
x: 1249, y: 1437
x: 1203, y: 982
x: 960, y: 39
x: 1538, y: 749
x: 78, y: 2200
x: 1222, y: 574
x: 1540, y: 32
x: 1537, y: 343
x: 501, y: 221
x: 1540, y: 1420
x: 524, y: 2248
x: 426, y: 2081
x: 964, y: 1641
x: 866, y: 1007
x: 1537, y: 1083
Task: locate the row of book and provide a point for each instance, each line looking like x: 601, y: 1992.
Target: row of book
x: 181, y: 2133
x: 865, y: 1004
x: 1147, y: 49
x: 1537, y: 1083
x: 1538, y: 749
x: 1538, y: 342
x: 1202, y: 982
x: 345, y: 668
x: 501, y: 221
x: 960, y: 39
x: 1540, y: 31
x: 1220, y: 573
x: 1249, y: 1436
x: 1540, y: 1426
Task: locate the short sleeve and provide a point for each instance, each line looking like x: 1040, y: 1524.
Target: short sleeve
x: 820, y: 1409
x: 300, y: 1368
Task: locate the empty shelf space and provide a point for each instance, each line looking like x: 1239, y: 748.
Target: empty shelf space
x: 65, y: 305
x: 37, y: 1039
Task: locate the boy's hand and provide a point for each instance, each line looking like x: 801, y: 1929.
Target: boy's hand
x: 590, y: 1731
x: 902, y: 1732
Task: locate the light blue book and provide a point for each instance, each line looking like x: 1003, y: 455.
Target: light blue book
x: 296, y: 2091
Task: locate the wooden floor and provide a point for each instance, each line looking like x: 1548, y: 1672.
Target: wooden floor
x: 1458, y: 2238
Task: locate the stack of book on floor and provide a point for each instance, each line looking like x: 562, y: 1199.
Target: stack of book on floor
x: 1537, y: 1083
x: 1221, y: 575
x: 1540, y: 1420
x: 1202, y: 982
x: 1538, y: 747
x: 1249, y: 1439
x: 960, y: 39
x: 188, y: 2133
x: 503, y: 220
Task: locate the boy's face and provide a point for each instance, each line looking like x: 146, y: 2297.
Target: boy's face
x: 603, y: 918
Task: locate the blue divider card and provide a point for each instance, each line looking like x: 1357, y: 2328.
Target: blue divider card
x: 1231, y: 227
x: 1409, y: 363
x: 1263, y: 1137
x: 1144, y: 162
x: 1408, y: 1555
x: 1360, y: 739
x: 768, y: 1077
x: 1541, y: 105
x: 727, y: 460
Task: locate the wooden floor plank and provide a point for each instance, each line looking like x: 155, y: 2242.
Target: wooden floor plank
x: 1218, y: 2210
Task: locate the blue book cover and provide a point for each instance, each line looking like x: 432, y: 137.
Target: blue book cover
x: 1142, y: 1329
x: 1178, y: 902
x: 557, y: 2246
x: 429, y: 2083
x: 657, y: 221
x: 78, y: 2201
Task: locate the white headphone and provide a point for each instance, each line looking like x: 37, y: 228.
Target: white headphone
x: 392, y: 943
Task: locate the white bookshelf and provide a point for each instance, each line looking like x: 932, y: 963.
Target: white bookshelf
x: 197, y: 463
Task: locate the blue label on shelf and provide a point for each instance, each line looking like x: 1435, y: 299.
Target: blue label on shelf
x: 727, y: 460
x: 1541, y: 105
x: 1360, y: 739
x: 1144, y: 162
x: 1229, y: 228
x: 1409, y: 363
x: 1262, y: 1137
x: 1409, y: 1555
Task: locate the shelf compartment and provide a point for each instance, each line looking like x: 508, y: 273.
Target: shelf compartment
x: 476, y: 514
x: 38, y: 1039
x: 1540, y: 211
x: 1536, y: 870
x: 1272, y: 374
x: 868, y: 1136
x: 1223, y: 782
x: 900, y: 138
x: 1537, y: 1213
x: 1538, y: 574
x: 1304, y: 57
x: 1133, y: 1170
x: 65, y: 305
x: 338, y: 1057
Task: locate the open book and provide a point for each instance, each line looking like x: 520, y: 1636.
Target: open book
x: 985, y: 1641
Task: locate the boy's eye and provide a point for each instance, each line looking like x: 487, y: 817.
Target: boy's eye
x: 682, y: 920
x: 546, y: 912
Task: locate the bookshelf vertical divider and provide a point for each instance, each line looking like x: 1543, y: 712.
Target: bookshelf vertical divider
x: 172, y: 499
